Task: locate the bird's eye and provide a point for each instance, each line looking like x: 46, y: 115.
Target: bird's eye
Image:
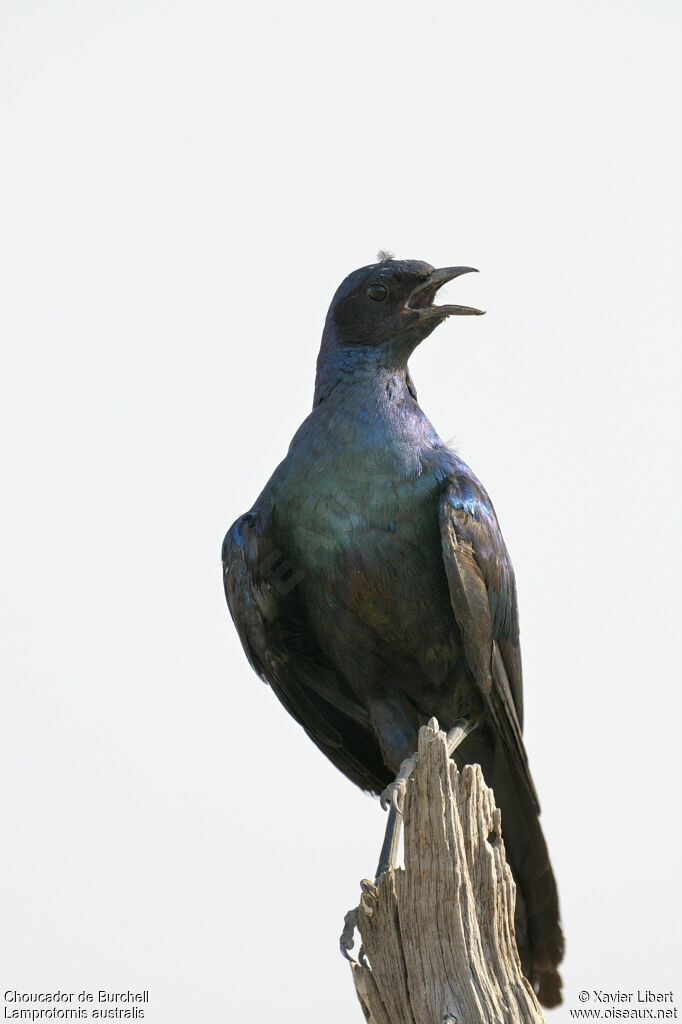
x: 378, y: 292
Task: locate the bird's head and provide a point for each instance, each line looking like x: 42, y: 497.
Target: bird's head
x: 391, y: 304
x: 378, y: 316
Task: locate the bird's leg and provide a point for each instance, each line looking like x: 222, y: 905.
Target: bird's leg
x: 393, y: 796
x: 460, y: 731
x: 389, y: 848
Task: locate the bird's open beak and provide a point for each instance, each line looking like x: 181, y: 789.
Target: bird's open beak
x: 421, y: 298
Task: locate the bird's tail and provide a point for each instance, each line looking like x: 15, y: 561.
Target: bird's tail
x: 539, y: 936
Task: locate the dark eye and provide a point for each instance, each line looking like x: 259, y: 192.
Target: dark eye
x: 378, y: 292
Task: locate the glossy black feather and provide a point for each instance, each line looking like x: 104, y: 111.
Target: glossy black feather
x: 282, y: 650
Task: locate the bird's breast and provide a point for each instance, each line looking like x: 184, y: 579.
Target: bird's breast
x: 358, y: 522
x: 363, y: 530
x: 370, y: 502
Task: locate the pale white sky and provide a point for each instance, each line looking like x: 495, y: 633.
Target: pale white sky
x: 183, y: 187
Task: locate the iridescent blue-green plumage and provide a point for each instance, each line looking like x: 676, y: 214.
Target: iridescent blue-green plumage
x: 372, y: 589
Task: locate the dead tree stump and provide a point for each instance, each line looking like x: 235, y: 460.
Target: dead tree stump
x: 438, y: 943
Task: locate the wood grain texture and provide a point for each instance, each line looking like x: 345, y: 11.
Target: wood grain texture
x: 438, y: 943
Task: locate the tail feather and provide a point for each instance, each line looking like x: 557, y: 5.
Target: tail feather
x: 539, y: 936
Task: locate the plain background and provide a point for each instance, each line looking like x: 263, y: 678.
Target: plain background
x: 183, y: 188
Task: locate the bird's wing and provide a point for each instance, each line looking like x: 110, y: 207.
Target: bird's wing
x: 261, y: 592
x: 483, y: 597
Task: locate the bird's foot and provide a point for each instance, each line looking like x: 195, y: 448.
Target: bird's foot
x: 350, y: 923
x: 393, y: 800
x: 347, y: 939
x: 394, y: 795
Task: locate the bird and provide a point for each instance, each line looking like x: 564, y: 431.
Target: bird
x: 371, y: 587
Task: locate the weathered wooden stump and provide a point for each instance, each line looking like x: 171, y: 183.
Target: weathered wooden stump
x: 438, y: 943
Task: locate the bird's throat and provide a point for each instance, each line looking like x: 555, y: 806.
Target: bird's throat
x: 350, y: 374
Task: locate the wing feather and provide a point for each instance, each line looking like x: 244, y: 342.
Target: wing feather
x: 280, y: 646
x: 483, y: 598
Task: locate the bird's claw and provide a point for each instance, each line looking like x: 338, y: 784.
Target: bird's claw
x: 347, y: 939
x: 394, y: 795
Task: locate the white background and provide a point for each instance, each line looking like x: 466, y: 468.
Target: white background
x: 183, y: 188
